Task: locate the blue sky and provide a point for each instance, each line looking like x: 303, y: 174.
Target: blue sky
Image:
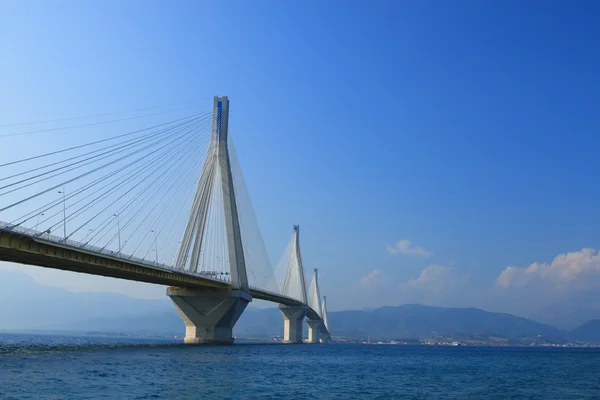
x: 468, y: 128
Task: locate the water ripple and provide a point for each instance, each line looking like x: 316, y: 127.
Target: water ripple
x: 62, y: 367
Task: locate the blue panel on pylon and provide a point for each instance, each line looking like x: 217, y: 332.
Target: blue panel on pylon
x: 219, y: 112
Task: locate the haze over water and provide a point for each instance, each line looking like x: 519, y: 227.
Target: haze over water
x: 68, y: 367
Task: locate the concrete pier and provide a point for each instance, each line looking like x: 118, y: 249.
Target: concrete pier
x: 292, y: 323
x: 314, y: 327
x: 209, y: 317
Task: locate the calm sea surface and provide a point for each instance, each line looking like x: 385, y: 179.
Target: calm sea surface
x: 76, y: 367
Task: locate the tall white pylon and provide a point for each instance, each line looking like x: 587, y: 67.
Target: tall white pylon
x: 314, y: 295
x: 216, y: 173
x: 209, y: 315
x: 324, y: 314
x: 294, y: 285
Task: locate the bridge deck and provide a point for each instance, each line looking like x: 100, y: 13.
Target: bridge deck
x: 25, y: 249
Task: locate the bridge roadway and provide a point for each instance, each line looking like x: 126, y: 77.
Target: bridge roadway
x: 24, y: 246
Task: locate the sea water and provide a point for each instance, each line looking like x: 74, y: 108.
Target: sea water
x: 93, y: 367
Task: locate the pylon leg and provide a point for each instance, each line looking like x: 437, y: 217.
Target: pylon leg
x: 209, y: 317
x: 292, y: 323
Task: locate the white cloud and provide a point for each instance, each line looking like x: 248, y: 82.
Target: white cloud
x: 368, y: 280
x: 517, y: 290
x: 404, y: 247
x: 579, y: 269
x: 432, y: 274
x: 437, y: 279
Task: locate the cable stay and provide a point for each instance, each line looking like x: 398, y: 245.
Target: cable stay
x: 153, y: 195
x: 166, y: 124
x: 125, y: 195
x: 85, y: 116
x: 92, y: 123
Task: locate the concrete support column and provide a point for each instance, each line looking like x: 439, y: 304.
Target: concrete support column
x: 292, y: 323
x: 209, y: 316
x: 314, y: 326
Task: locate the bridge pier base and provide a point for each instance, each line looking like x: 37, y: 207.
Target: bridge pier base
x: 314, y: 326
x: 209, y: 316
x: 292, y: 323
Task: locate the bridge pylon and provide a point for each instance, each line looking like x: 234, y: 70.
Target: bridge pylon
x: 326, y: 333
x: 210, y: 315
x: 295, y: 287
x: 313, y: 321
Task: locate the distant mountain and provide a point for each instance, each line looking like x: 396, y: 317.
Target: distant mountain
x: 256, y: 322
x: 572, y: 312
x: 409, y: 321
x: 588, y: 332
x: 418, y: 321
x: 27, y: 305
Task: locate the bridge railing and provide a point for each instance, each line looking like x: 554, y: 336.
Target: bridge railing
x: 47, y: 237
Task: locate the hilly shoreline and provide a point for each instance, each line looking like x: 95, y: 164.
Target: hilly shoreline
x: 53, y: 309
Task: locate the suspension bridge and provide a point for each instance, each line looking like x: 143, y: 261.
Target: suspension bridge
x: 167, y: 205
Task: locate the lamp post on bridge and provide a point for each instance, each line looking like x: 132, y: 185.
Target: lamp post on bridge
x: 64, y: 192
x: 118, y: 232
x: 155, y: 247
x: 38, y: 220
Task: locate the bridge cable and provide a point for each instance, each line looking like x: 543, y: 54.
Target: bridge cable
x: 164, y: 192
x: 174, y: 151
x: 135, y: 140
x: 73, y: 179
x: 91, y: 124
x: 100, y: 141
x: 155, y: 169
x: 85, y: 116
x: 139, y: 208
x: 153, y: 139
x: 121, y: 182
x: 73, y: 194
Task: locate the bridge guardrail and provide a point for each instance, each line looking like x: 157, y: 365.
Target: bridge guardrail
x: 44, y: 236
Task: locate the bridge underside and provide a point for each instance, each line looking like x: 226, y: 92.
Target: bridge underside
x: 23, y: 249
